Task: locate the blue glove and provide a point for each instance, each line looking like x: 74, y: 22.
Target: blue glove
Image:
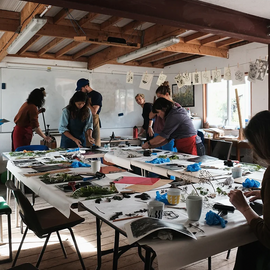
x: 251, y: 183
x: 214, y: 219
x: 77, y: 164
x: 159, y: 160
x: 161, y: 198
x: 73, y: 150
x: 194, y: 167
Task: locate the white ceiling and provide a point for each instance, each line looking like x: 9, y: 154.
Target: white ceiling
x: 259, y: 8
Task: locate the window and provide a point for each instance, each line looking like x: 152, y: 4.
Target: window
x: 221, y: 103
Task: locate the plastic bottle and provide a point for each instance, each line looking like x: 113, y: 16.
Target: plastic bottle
x: 246, y: 122
x: 188, y: 112
x: 135, y: 132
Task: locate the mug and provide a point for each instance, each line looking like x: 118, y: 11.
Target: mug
x: 173, y: 196
x: 194, y: 207
x: 95, y: 164
x: 155, y: 209
x: 236, y: 172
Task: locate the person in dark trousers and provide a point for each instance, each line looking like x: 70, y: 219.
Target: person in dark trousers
x: 256, y: 255
x: 95, y: 104
x: 177, y: 126
x: 147, y: 122
x: 76, y: 121
x: 26, y: 119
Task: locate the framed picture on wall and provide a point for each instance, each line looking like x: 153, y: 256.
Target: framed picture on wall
x: 184, y: 95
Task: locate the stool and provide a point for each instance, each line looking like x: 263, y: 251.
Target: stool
x: 5, y: 210
x: 25, y: 266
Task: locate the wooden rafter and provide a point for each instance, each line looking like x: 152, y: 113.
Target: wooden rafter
x: 210, y: 39
x: 171, y: 59
x: 227, y: 42
x: 131, y: 26
x: 12, y: 15
x: 49, y: 46
x: 194, y: 36
x: 34, y: 39
x: 113, y: 20
x: 84, y: 51
x: 67, y: 49
x: 61, y: 15
x: 87, y: 18
x: 155, y: 57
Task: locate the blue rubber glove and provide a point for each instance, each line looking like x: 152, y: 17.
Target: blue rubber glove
x: 214, y: 219
x: 77, y: 164
x: 73, y: 150
x: 251, y: 183
x: 162, y: 198
x: 159, y: 160
x: 194, y: 167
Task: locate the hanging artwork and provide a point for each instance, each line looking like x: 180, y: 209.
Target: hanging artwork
x: 227, y: 74
x: 179, y: 80
x: 184, y: 95
x: 187, y: 78
x: 206, y: 77
x: 161, y: 78
x: 261, y: 69
x: 252, y: 73
x: 216, y: 75
x: 197, y: 77
x: 129, y: 77
x: 146, y: 81
x: 238, y: 76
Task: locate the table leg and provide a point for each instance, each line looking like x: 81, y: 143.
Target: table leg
x: 98, y: 229
x: 115, y: 250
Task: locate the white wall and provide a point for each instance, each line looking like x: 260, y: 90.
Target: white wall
x: 242, y: 56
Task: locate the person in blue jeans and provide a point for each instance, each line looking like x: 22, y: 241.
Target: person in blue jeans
x: 76, y: 122
x: 163, y: 91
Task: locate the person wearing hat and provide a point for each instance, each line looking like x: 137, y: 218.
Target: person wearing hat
x: 26, y: 119
x: 95, y: 104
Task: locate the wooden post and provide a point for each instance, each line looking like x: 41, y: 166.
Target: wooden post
x: 240, y: 137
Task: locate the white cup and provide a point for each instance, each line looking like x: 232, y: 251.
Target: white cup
x: 155, y: 209
x: 173, y: 196
x: 95, y: 165
x: 236, y: 172
x: 194, y: 207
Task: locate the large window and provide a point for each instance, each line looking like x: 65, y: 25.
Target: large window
x: 221, y: 103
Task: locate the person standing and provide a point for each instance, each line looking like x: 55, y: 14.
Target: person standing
x: 147, y: 122
x: 75, y: 122
x: 95, y: 104
x: 26, y: 119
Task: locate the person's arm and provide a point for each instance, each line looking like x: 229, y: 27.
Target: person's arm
x: 96, y: 103
x: 77, y: 141
x: 89, y: 136
x: 150, y: 128
x: 94, y: 109
x: 89, y: 128
x: 41, y: 134
x: 155, y: 142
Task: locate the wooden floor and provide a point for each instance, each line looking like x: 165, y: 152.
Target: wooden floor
x: 85, y: 234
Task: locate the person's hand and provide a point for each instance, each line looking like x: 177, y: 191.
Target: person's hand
x: 41, y: 110
x: 255, y: 193
x: 48, y: 139
x: 91, y: 140
x: 78, y: 142
x: 238, y: 200
x: 150, y: 132
x: 145, y: 146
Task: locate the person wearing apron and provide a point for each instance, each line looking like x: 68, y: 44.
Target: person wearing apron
x: 26, y: 120
x: 75, y: 122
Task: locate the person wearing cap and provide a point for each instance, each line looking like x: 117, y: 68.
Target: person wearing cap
x: 26, y: 120
x: 95, y: 104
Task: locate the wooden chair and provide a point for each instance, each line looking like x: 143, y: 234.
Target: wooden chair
x: 44, y: 222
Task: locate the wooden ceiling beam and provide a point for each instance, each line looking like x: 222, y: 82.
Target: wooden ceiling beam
x: 211, y: 39
x: 84, y: 51
x: 189, y: 14
x: 67, y: 49
x: 131, y: 26
x: 87, y: 19
x: 49, y: 46
x: 154, y: 58
x: 194, y: 36
x: 186, y: 59
x: 12, y: 15
x: 170, y: 59
x: 61, y: 15
x: 34, y: 39
x: 197, y: 49
x: 113, y: 20
x: 227, y: 42
x: 8, y: 25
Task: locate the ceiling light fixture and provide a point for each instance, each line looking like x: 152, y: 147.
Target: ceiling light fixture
x: 28, y: 32
x: 148, y: 49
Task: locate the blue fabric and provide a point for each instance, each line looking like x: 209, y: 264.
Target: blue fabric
x: 194, y: 167
x: 251, y: 183
x: 73, y: 150
x: 77, y: 164
x: 168, y: 147
x: 214, y: 219
x: 158, y: 160
x: 162, y: 198
x: 32, y: 148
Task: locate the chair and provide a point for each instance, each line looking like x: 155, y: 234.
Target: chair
x: 201, y: 135
x: 44, y: 222
x: 6, y: 210
x: 25, y: 266
x: 221, y: 149
x: 32, y: 148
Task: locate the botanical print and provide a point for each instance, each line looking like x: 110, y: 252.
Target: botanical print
x: 187, y: 78
x: 161, y: 78
x: 238, y: 76
x: 179, y: 80
x: 252, y: 74
x: 197, y: 78
x: 129, y: 77
x: 206, y: 77
x: 146, y: 81
x: 216, y: 75
x: 227, y: 74
x: 184, y: 95
x: 261, y: 69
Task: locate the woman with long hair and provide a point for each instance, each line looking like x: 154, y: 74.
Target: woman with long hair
x: 26, y: 119
x: 76, y: 121
x: 257, y: 133
x: 177, y: 126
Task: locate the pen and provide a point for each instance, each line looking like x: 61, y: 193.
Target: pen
x: 120, y: 219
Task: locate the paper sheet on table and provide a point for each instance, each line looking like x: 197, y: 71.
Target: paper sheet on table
x: 137, y: 180
x: 144, y: 188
